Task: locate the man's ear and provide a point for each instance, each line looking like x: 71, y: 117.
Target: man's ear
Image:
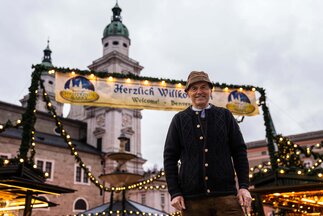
x: 188, y: 95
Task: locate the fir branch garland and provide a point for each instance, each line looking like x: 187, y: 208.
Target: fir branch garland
x: 29, y: 117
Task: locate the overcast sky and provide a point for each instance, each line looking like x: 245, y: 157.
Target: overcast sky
x: 273, y: 44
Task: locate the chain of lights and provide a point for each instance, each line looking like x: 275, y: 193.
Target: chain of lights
x: 128, y: 212
x: 141, y: 184
x: 289, y: 159
x: 225, y: 87
x: 9, y: 124
x: 77, y: 157
x: 151, y: 187
x: 69, y: 142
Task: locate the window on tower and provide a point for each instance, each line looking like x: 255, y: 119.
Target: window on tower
x: 127, y: 146
x: 162, y: 199
x: 99, y: 144
x: 143, y: 199
x: 106, y: 44
x: 125, y: 45
x: 115, y: 42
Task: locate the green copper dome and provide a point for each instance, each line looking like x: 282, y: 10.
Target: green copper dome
x: 116, y: 28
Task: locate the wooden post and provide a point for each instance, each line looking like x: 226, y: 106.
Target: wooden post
x: 28, y: 208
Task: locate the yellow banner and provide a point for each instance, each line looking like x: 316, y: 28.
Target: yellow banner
x: 136, y: 94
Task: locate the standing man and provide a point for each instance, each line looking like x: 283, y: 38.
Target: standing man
x: 209, y: 145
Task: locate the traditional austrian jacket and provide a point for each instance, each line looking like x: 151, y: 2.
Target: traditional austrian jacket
x: 206, y: 148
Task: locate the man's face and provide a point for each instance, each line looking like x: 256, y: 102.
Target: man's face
x: 200, y: 93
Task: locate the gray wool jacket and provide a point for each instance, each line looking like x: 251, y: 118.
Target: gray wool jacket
x: 210, y: 151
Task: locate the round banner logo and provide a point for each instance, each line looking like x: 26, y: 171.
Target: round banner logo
x: 79, y: 90
x: 239, y: 103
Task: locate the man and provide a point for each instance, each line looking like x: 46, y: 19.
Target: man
x: 209, y: 145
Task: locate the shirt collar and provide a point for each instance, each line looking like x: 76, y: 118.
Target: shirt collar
x: 197, y: 109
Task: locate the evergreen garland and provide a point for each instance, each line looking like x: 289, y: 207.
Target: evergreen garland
x: 29, y: 118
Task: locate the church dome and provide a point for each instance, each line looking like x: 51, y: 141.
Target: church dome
x: 116, y: 27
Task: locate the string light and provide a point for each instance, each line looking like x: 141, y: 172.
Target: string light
x: 288, y: 155
x: 299, y: 172
x: 51, y: 71
x: 129, y: 212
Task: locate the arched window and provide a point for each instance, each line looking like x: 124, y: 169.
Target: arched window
x: 80, y: 205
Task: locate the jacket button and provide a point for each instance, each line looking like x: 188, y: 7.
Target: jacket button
x: 201, y: 137
x: 206, y: 164
x: 206, y: 178
x: 196, y: 113
x: 198, y: 126
x: 206, y: 150
x: 208, y: 190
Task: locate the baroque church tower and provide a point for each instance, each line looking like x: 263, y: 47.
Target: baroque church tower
x: 49, y: 84
x: 106, y: 124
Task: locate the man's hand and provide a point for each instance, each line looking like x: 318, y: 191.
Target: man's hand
x: 245, y: 200
x: 178, y: 203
